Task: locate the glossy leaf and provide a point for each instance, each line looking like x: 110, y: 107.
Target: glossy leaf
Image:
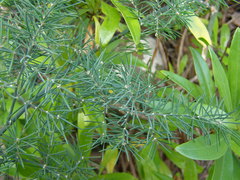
x: 221, y: 80
x: 234, y: 68
x: 203, y: 74
x: 199, y: 30
x: 131, y: 21
x: 190, y: 87
x: 200, y: 149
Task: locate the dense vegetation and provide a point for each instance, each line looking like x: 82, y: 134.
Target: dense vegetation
x: 79, y: 99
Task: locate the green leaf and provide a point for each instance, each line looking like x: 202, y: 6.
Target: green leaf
x: 199, y: 149
x: 190, y: 87
x: 151, y: 165
x: 109, y: 160
x: 114, y: 176
x: 223, y: 168
x: 235, y: 147
x: 171, y: 69
x: 203, y: 74
x: 131, y: 21
x: 215, y: 31
x: 128, y: 58
x: 183, y: 64
x: 190, y: 170
x: 29, y: 169
x: 97, y: 29
x: 110, y: 23
x: 234, y: 68
x: 84, y: 137
x: 199, y: 30
x: 221, y: 80
x: 42, y: 59
x: 236, y: 166
x: 224, y: 37
x: 188, y: 166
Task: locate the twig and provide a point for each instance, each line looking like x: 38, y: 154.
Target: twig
x: 12, y: 120
x: 132, y: 167
x: 180, y: 50
x: 163, y: 54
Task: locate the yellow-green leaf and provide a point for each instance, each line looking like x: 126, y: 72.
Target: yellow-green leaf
x: 110, y: 23
x: 97, y: 28
x: 109, y: 160
x: 199, y: 30
x: 131, y: 20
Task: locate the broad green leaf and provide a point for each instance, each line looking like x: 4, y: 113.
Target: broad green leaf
x: 114, y: 176
x: 201, y: 149
x: 110, y: 23
x: 131, y: 21
x: 221, y: 80
x: 199, y: 30
x: 203, y: 74
x: 190, y: 170
x: 223, y: 168
x: 97, y: 28
x: 109, y: 160
x: 224, y: 37
x: 234, y: 68
x: 190, y: 87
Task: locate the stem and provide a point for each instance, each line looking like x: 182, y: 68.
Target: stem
x: 19, y: 113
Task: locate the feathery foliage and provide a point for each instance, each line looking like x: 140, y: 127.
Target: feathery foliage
x: 61, y: 98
